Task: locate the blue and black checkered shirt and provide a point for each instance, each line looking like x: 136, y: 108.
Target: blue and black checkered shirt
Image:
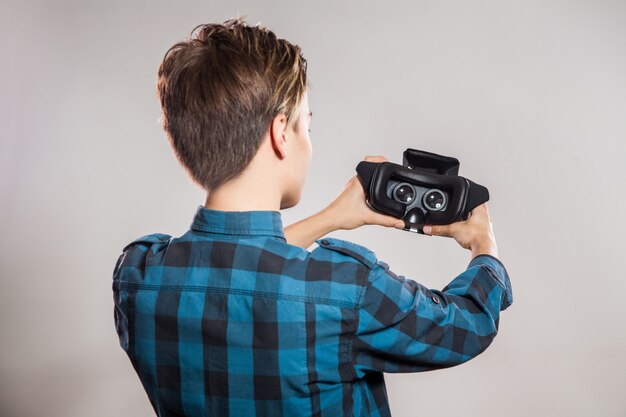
x: 231, y: 320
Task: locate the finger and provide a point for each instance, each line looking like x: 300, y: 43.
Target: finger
x: 390, y: 221
x: 377, y: 158
x: 439, y: 230
x: 385, y: 220
x: 481, y: 208
x: 487, y: 211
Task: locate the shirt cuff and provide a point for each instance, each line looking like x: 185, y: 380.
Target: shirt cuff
x: 501, y: 275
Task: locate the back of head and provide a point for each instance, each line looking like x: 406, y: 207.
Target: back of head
x: 219, y: 91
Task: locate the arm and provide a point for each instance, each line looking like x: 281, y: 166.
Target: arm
x: 406, y: 327
x: 347, y: 211
x: 304, y: 232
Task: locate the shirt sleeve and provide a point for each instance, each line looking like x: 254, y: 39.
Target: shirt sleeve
x: 406, y: 327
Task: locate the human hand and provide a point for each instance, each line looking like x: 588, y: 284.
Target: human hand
x: 349, y: 209
x: 475, y: 233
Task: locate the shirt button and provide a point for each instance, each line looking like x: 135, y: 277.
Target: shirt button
x: 435, y: 299
x: 324, y: 242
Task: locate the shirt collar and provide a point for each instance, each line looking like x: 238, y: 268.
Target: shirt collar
x: 252, y: 222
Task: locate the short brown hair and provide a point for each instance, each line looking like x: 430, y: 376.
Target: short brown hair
x: 219, y: 91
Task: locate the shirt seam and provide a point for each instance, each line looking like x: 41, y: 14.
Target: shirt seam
x: 504, y: 285
x: 496, y: 260
x: 238, y: 291
x: 244, y: 232
x: 235, y: 229
x: 357, y: 320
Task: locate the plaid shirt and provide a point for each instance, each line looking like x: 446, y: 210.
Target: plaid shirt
x: 231, y: 320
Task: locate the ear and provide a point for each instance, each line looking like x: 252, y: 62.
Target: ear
x: 278, y: 135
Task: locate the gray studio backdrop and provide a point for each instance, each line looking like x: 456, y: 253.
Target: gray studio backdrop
x: 529, y: 95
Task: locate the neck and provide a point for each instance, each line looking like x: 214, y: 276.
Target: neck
x: 244, y: 196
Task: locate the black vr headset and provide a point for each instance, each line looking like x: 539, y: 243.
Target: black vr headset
x: 425, y: 189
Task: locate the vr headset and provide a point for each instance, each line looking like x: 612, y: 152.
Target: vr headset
x: 425, y: 189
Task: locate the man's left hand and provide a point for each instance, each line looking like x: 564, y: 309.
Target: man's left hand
x: 349, y: 209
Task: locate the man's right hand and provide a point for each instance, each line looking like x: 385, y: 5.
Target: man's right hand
x: 475, y: 233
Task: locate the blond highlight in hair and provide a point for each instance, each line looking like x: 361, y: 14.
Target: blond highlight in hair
x: 220, y: 90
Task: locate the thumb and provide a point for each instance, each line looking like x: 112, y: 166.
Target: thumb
x: 438, y: 230
x: 390, y: 221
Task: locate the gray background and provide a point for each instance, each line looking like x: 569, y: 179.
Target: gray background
x: 529, y: 95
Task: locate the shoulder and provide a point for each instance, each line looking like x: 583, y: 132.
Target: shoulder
x: 134, y: 253
x: 147, y: 241
x: 343, y: 250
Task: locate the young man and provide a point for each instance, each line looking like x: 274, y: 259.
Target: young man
x: 235, y: 317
